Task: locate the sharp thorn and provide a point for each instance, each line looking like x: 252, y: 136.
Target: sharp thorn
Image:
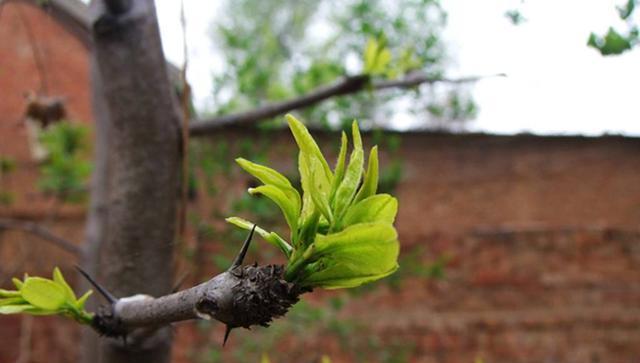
x: 243, y: 251
x: 226, y: 334
x: 103, y: 291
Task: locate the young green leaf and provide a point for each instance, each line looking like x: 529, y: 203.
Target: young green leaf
x: 381, y: 208
x: 265, y: 174
x: 313, y: 169
x: 370, y: 183
x: 59, y: 279
x: 382, y: 61
x: 335, y: 277
x: 270, y: 237
x: 17, y: 300
x: 288, y: 207
x: 370, y: 54
x: 17, y: 283
x: 14, y: 309
x: 82, y: 300
x: 307, y: 144
x: 347, y: 189
x: 44, y: 294
x: 358, y: 254
x: 276, y: 240
x: 319, y: 196
x: 9, y: 293
x: 339, y: 169
x: 269, y: 176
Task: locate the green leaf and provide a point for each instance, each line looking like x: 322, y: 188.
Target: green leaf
x: 319, y: 196
x: 377, y: 208
x: 270, y: 237
x: 82, y: 300
x: 360, y: 253
x: 17, y: 283
x: 16, y: 300
x: 307, y: 144
x: 345, y: 283
x: 612, y: 43
x: 59, y: 279
x: 269, y: 176
x: 278, y: 241
x: 313, y: 169
x: 340, y: 167
x: 370, y: 53
x: 625, y: 11
x: 382, y: 61
x: 370, y: 184
x: 288, y: 207
x: 14, y: 309
x: 265, y: 174
x: 347, y: 189
x: 44, y: 294
x: 9, y: 293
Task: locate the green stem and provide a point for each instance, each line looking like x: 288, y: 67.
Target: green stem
x: 298, y: 263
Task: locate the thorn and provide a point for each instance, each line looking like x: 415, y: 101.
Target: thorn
x: 107, y: 295
x: 226, y: 334
x: 243, y: 251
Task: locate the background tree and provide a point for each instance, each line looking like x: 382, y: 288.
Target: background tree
x: 277, y: 50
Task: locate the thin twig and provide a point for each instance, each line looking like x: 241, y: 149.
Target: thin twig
x: 44, y: 233
x: 347, y: 85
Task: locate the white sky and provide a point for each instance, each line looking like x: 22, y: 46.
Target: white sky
x: 555, y: 83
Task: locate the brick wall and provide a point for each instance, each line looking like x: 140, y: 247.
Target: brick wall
x: 26, y: 30
x: 541, y: 234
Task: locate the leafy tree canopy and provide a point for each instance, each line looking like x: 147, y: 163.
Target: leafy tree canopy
x: 278, y: 49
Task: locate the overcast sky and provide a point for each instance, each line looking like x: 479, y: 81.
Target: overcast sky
x: 555, y: 83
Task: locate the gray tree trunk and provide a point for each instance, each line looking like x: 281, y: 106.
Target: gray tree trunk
x: 132, y: 218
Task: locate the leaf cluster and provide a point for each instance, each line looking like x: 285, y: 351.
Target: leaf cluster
x: 341, y: 230
x: 41, y: 296
x: 66, y: 169
x: 617, y: 42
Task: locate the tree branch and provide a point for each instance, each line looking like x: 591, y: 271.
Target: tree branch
x: 345, y: 86
x: 42, y: 232
x: 240, y: 297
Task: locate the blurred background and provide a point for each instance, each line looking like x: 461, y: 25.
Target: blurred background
x: 516, y: 163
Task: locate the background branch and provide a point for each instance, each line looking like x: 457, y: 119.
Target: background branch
x: 44, y: 233
x: 345, y: 86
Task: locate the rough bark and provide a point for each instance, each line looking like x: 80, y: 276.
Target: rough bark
x: 132, y: 218
x: 243, y: 296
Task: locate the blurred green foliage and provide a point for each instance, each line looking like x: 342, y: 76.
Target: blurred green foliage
x: 7, y: 166
x: 65, y: 171
x: 278, y: 49
x: 307, y: 324
x: 42, y: 296
x: 616, y: 42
